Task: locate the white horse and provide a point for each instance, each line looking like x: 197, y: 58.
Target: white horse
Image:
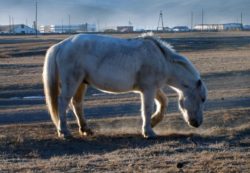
x: 144, y: 64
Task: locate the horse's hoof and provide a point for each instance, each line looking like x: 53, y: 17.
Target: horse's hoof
x: 64, y: 135
x: 151, y: 138
x: 149, y: 135
x: 86, y: 132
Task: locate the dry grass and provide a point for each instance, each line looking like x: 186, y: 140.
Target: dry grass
x: 211, y: 149
x: 221, y: 144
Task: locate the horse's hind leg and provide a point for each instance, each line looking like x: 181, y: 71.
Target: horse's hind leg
x: 161, y: 106
x: 68, y: 88
x: 77, y: 105
x: 63, y: 102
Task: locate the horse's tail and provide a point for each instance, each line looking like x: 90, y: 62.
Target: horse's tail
x: 50, y: 82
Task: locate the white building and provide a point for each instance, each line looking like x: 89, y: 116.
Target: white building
x: 180, y: 29
x: 209, y: 27
x: 246, y: 27
x: 67, y: 28
x: 232, y: 26
x: 17, y: 29
x: 218, y: 27
x: 125, y: 28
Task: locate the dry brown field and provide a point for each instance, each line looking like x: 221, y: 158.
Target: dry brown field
x: 28, y: 141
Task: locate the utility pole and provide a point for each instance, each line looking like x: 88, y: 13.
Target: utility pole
x: 129, y: 22
x: 160, y: 22
x: 98, y: 25
x: 192, y: 20
x: 36, y: 20
x: 10, y: 27
x: 241, y: 20
x: 69, y: 25
x: 62, y: 26
x: 202, y: 19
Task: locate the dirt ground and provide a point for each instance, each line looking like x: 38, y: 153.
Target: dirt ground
x: 28, y: 141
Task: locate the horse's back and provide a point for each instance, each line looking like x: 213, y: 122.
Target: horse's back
x: 109, y: 63
x: 101, y: 43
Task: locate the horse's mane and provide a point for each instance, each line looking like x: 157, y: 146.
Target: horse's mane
x: 160, y: 43
x: 166, y: 48
x: 169, y: 52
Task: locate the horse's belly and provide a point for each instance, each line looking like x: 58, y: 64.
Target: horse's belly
x: 114, y: 82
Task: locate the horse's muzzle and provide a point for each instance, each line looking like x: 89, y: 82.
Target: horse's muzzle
x: 194, y: 123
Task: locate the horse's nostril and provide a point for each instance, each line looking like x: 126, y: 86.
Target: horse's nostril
x: 194, y: 123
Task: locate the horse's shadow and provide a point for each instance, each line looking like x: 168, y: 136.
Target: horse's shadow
x: 47, y: 148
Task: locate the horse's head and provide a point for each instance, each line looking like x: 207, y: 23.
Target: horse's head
x: 191, y: 103
x: 185, y: 79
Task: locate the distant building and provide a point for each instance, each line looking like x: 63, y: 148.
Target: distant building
x: 109, y: 30
x: 218, y: 27
x: 167, y: 29
x: 44, y: 29
x: 246, y: 27
x: 16, y: 29
x: 209, y: 27
x: 140, y: 30
x: 125, y: 28
x: 180, y: 29
x: 89, y: 27
x: 68, y: 28
x: 232, y: 26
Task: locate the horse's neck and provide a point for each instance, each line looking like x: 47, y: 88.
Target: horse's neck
x: 179, y: 78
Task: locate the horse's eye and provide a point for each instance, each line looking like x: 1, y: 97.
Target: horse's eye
x: 185, y: 85
x: 203, y: 100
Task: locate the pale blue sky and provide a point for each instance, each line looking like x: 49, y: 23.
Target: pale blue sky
x: 142, y: 13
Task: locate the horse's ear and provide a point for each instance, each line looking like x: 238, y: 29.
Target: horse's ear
x: 198, y: 83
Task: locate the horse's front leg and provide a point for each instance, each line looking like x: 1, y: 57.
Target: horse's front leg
x: 147, y: 100
x: 161, y: 106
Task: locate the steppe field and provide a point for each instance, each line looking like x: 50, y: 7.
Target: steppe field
x: 28, y: 140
